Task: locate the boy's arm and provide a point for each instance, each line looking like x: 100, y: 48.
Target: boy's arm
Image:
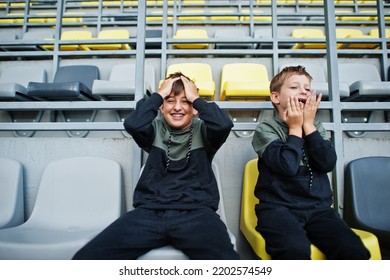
x: 218, y: 124
x: 139, y: 122
x: 322, y: 155
x: 282, y: 156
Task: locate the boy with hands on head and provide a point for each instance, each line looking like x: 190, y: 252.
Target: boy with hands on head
x: 293, y: 187
x: 176, y: 197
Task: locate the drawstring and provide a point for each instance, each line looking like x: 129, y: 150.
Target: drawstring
x: 169, y: 146
x: 306, y: 162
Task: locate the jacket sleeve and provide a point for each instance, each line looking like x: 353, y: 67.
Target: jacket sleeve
x: 140, y: 122
x: 218, y: 124
x: 284, y: 157
x: 322, y: 155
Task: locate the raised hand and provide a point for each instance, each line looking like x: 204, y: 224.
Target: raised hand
x: 166, y: 87
x: 293, y: 116
x: 310, y: 111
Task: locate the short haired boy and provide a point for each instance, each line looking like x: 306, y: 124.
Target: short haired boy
x: 177, y: 194
x: 295, y: 155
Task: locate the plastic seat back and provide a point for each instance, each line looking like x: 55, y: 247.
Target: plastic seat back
x: 352, y: 72
x: 14, y: 81
x: 72, y: 35
x: 111, y: 35
x: 80, y: 193
x: 244, y: 80
x: 84, y: 74
x: 121, y: 83
x: 200, y: 73
x: 23, y: 75
x: 367, y: 196
x: 12, y: 193
x: 191, y: 34
x: 309, y: 33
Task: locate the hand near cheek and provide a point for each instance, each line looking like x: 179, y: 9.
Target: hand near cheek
x: 293, y: 116
x: 310, y: 111
x: 311, y: 106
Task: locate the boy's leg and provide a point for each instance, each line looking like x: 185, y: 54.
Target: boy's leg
x: 200, y: 234
x: 130, y: 236
x: 283, y: 232
x: 334, y: 237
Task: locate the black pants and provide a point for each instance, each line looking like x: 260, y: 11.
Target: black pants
x: 199, y: 233
x: 289, y: 233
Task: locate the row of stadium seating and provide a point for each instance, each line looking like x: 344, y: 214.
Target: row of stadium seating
x: 239, y: 38
x: 196, y: 16
x: 34, y: 238
x: 244, y: 81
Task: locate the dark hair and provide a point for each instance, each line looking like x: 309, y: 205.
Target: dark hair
x: 178, y: 85
x: 278, y: 80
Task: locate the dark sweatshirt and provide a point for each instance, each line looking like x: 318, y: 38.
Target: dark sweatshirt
x: 284, y: 177
x: 188, y: 183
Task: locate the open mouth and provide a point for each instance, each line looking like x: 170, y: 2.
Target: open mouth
x: 302, y: 100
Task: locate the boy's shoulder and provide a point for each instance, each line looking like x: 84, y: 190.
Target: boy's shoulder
x: 272, y: 123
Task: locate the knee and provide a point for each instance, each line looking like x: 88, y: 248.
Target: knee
x: 352, y: 252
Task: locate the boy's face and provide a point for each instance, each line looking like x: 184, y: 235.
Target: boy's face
x: 177, y: 111
x: 295, y: 85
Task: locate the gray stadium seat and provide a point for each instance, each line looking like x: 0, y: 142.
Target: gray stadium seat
x: 12, y: 193
x: 364, y: 81
x: 365, y: 85
x: 14, y: 81
x: 236, y: 35
x: 367, y: 196
x: 71, y: 83
x: 13, y: 87
x: 121, y: 86
x: 121, y: 83
x: 77, y: 198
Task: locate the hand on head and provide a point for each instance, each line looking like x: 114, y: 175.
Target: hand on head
x: 190, y: 88
x: 166, y: 87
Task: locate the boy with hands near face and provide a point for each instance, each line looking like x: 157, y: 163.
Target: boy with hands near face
x: 293, y: 187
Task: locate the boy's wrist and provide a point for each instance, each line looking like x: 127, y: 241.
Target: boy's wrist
x: 295, y: 131
x: 309, y: 128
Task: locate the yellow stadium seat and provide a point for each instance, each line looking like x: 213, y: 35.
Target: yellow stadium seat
x: 223, y: 15
x: 192, y: 15
x: 200, y: 73
x: 112, y: 34
x: 193, y: 1
x: 375, y: 33
x: 248, y: 220
x: 309, y: 33
x: 157, y: 15
x: 191, y: 34
x: 256, y: 15
x: 82, y: 35
x: 244, y: 81
x: 347, y: 33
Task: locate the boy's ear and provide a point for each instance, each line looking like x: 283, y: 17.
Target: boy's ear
x: 194, y: 111
x: 274, y: 97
